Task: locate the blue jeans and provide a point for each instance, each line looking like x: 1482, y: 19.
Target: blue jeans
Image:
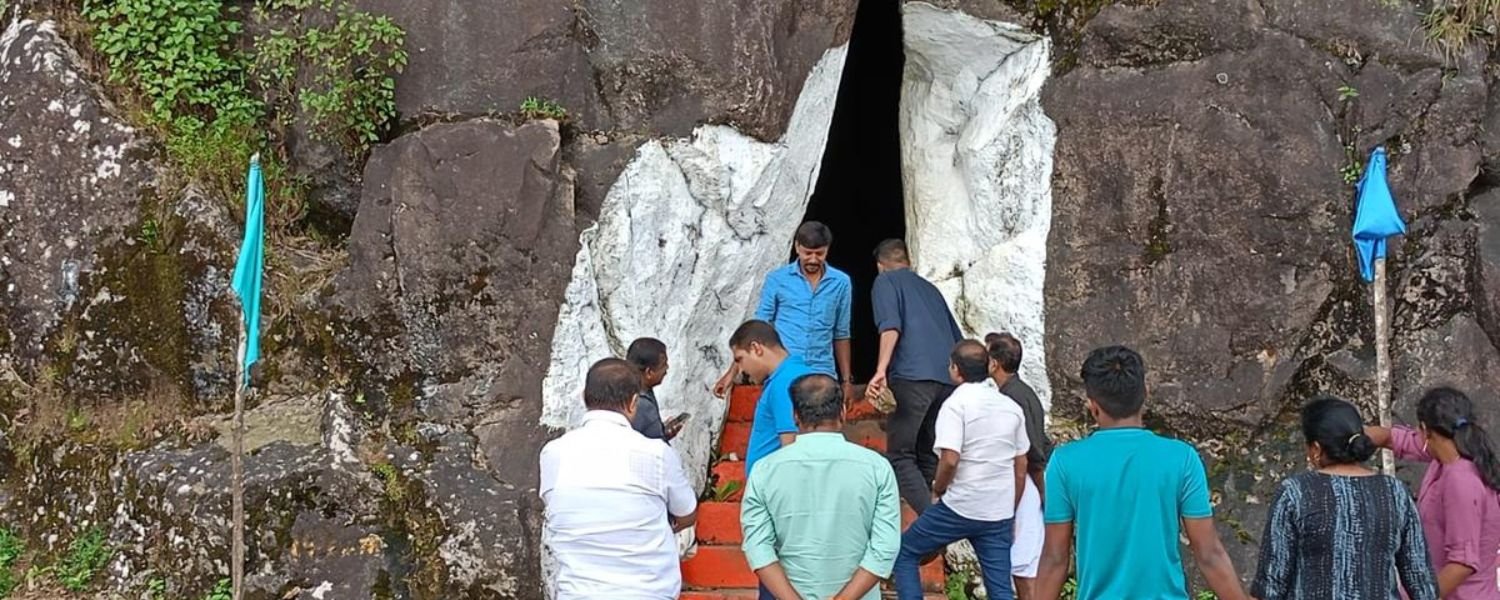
x: 939, y: 526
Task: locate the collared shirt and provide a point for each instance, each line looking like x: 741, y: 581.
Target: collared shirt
x: 1460, y: 516
x: 647, y: 419
x: 808, y: 320
x: 773, y: 412
x: 1127, y: 488
x: 823, y: 507
x: 1036, y: 421
x: 608, y: 492
x: 905, y: 302
x: 988, y: 431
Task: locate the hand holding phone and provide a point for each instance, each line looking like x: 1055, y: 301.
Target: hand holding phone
x: 674, y: 424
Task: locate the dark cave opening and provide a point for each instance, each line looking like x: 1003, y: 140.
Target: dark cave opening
x: 859, y: 194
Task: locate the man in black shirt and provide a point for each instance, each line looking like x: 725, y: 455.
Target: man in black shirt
x: 650, y: 356
x: 1026, y: 548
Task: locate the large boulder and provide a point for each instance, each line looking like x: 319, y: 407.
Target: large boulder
x: 662, y: 66
x: 1202, y: 205
x: 71, y: 183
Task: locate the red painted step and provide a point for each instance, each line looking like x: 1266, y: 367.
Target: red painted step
x: 718, y: 567
x: 870, y: 434
x: 742, y: 400
x: 736, y: 439
x: 720, y: 595
x: 719, y: 523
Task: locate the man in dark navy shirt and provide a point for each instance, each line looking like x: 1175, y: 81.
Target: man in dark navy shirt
x: 917, y: 331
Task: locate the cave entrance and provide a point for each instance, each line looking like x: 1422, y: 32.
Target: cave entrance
x: 859, y: 194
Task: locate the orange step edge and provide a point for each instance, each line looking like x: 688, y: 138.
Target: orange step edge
x: 719, y: 523
x: 717, y: 567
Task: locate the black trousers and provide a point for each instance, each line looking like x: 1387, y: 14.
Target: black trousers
x: 909, y: 437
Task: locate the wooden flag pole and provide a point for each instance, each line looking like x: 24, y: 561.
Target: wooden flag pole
x: 237, y: 486
x: 1383, y: 362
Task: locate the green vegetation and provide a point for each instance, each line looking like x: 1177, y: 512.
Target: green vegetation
x: 534, y: 108
x: 11, y: 548
x: 156, y: 589
x: 956, y: 586
x: 86, y: 556
x: 222, y: 591
x: 1347, y: 93
x: 217, y: 95
x: 1069, y: 589
x: 723, y: 492
x: 395, y: 485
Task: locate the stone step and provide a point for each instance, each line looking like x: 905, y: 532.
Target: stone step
x: 870, y: 434
x: 718, y: 567
x: 742, y: 401
x: 719, y: 523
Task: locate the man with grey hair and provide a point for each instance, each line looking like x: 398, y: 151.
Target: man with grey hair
x: 822, y: 516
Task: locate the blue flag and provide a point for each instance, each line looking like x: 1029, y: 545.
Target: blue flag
x: 247, y: 270
x: 1375, y: 215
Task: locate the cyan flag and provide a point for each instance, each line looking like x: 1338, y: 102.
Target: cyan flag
x: 247, y: 270
x: 1375, y: 215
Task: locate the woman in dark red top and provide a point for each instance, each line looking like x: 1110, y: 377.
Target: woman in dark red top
x: 1459, y: 502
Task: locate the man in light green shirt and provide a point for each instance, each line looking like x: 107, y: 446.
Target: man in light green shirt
x: 822, y: 516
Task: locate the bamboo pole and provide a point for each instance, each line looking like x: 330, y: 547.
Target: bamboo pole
x: 237, y: 486
x: 1383, y: 362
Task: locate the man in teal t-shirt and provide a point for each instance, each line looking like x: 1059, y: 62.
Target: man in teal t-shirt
x: 1126, y: 494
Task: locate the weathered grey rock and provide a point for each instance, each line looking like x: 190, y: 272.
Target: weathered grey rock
x: 663, y: 66
x: 470, y: 58
x: 71, y: 180
x: 458, y: 262
x: 1198, y: 222
x: 1485, y: 268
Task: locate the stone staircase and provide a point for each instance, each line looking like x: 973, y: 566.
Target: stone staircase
x: 719, y: 571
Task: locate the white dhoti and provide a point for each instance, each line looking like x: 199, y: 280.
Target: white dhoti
x: 1029, y: 532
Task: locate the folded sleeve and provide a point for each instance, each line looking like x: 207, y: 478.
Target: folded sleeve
x: 1462, y: 501
x: 681, y: 501
x: 885, y: 530
x: 948, y: 430
x: 758, y: 530
x: 781, y: 411
x: 1407, y: 443
x: 887, y: 305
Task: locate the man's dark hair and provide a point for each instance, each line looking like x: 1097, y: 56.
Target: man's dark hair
x: 813, y: 235
x: 755, y: 331
x: 892, y: 251
x: 646, y: 353
x: 817, y: 399
x: 1115, y: 378
x: 610, y: 385
x: 972, y: 361
x: 1005, y: 350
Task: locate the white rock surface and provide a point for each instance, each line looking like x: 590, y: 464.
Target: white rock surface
x: 683, y: 241
x: 977, y: 167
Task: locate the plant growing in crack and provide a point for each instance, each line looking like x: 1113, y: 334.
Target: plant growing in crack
x: 534, y: 108
x: 1347, y: 93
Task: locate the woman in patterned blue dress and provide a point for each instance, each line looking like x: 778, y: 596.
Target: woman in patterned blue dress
x: 1341, y: 530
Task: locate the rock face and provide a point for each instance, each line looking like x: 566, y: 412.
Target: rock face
x: 976, y: 161
x: 70, y: 186
x: 673, y: 255
x: 659, y: 65
x: 1201, y: 215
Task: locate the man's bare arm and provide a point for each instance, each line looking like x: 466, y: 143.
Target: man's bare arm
x: 787, y: 439
x: 1213, y: 561
x: 1057, y: 551
x: 859, y: 585
x: 947, y: 468
x: 774, y: 578
x: 1021, y: 466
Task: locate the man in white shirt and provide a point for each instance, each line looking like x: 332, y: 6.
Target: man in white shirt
x: 981, y: 441
x: 614, y: 498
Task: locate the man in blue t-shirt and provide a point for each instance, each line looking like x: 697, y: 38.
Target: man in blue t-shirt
x: 759, y: 354
x: 1126, y: 494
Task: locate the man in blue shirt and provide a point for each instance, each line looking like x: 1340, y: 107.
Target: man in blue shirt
x: 758, y: 353
x: 917, y: 331
x: 808, y: 303
x: 1126, y: 494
